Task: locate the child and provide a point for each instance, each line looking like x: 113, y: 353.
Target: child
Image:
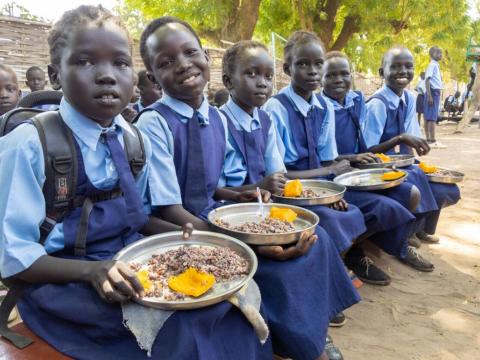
x: 420, y: 89
x: 248, y: 75
x: 191, y: 136
x: 390, y: 122
x: 453, y: 103
x: 130, y: 113
x: 73, y: 301
x: 9, y: 91
x: 149, y: 91
x: 220, y: 97
x: 35, y: 79
x: 433, y: 86
x: 305, y: 127
x: 390, y: 222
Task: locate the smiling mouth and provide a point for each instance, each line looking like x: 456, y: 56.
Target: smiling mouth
x: 107, y: 98
x: 190, y: 79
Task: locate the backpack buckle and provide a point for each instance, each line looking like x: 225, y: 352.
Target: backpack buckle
x: 136, y: 165
x: 62, y: 164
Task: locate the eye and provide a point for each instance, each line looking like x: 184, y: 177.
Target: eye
x: 191, y: 52
x: 84, y: 62
x: 301, y: 64
x: 269, y: 76
x: 250, y: 73
x: 122, y: 63
x: 165, y: 63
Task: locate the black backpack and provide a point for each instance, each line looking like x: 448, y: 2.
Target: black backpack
x: 60, y: 186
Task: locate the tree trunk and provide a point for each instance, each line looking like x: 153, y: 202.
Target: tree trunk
x: 473, y: 105
x: 241, y: 22
x: 326, y: 25
x: 351, y: 25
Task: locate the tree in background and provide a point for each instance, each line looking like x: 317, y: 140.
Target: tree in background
x: 15, y: 10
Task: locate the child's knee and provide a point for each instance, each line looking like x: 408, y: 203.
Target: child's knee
x: 415, y: 197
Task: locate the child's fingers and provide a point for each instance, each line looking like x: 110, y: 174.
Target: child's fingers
x: 132, y: 279
x: 187, y: 230
x: 119, y: 282
x: 111, y: 295
x: 270, y: 251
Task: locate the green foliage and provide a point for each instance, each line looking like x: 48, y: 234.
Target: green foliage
x: 15, y: 10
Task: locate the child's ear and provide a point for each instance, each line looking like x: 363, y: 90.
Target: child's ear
x: 380, y: 72
x: 54, y: 76
x: 286, y: 68
x: 227, y: 82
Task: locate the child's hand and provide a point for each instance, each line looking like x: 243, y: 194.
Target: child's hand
x: 364, y: 158
x: 115, y: 281
x: 340, y: 167
x: 340, y: 205
x: 187, y: 230
x: 420, y: 145
x: 274, y: 183
x: 277, y: 252
x: 251, y: 195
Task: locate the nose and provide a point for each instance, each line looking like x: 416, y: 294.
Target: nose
x: 183, y: 64
x: 261, y: 82
x: 105, y: 74
x: 312, y: 70
x: 3, y: 93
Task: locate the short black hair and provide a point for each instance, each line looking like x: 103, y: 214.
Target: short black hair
x: 221, y: 97
x: 234, y: 52
x: 396, y: 47
x: 32, y: 69
x: 300, y: 37
x: 433, y: 49
x: 10, y: 70
x: 76, y: 18
x: 152, y: 27
x: 338, y: 54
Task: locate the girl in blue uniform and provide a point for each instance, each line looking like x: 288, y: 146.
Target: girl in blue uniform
x: 390, y: 123
x: 248, y: 75
x: 192, y: 136
x: 10, y: 92
x: 73, y: 300
x: 389, y: 220
x: 305, y: 127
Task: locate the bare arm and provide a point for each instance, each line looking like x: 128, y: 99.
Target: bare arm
x: 177, y: 215
x: 429, y: 91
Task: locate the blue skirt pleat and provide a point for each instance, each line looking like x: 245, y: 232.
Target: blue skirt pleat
x: 342, y: 226
x: 74, y: 320
x: 430, y: 112
x: 301, y: 296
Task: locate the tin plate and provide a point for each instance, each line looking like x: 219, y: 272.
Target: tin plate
x: 446, y: 176
x: 367, y: 180
x: 399, y: 161
x: 330, y: 193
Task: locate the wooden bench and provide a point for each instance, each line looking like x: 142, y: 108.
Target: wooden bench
x: 39, y: 350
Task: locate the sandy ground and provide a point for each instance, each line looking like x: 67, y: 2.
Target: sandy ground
x: 428, y: 315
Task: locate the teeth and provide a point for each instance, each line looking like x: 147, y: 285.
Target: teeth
x: 107, y: 97
x: 189, y: 79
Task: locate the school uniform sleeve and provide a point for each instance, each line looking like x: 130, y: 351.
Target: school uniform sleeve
x: 327, y: 145
x: 376, y: 116
x: 363, y: 114
x: 163, y: 185
x: 22, y: 206
x: 411, y: 123
x: 279, y: 115
x: 273, y: 158
x: 142, y: 177
x: 429, y: 73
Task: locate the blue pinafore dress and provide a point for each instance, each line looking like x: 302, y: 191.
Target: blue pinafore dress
x: 389, y: 222
x: 342, y: 226
x: 300, y: 295
x: 77, y: 322
x: 434, y: 196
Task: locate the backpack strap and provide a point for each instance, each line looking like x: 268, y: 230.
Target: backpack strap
x: 135, y: 149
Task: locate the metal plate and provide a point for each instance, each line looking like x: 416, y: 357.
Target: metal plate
x: 453, y: 178
x: 398, y: 161
x: 330, y: 191
x: 367, y: 180
x: 238, y: 214
x: 142, y: 250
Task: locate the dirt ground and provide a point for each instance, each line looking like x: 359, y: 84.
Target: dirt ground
x: 434, y: 316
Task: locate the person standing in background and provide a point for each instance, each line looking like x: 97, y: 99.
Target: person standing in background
x: 433, y: 86
x: 420, y: 89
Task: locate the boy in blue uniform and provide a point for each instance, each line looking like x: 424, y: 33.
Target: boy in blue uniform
x: 433, y: 87
x: 149, y: 91
x: 73, y: 287
x: 391, y: 123
x: 191, y: 137
x: 305, y: 125
x: 248, y: 75
x: 9, y: 90
x: 389, y: 221
x: 35, y: 79
x: 420, y: 89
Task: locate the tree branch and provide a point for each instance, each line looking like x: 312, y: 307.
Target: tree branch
x: 351, y: 25
x: 326, y: 25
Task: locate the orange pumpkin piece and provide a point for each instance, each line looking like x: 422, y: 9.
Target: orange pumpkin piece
x: 283, y: 214
x: 427, y: 169
x: 392, y: 175
x: 144, y: 279
x: 293, y: 188
x: 384, y: 158
x: 191, y: 282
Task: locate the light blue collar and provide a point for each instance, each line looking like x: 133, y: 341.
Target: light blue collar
x: 240, y: 118
x: 349, y: 97
x: 392, y: 98
x: 300, y: 103
x: 183, y: 109
x: 85, y: 129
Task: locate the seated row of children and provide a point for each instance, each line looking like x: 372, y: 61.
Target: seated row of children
x: 196, y: 157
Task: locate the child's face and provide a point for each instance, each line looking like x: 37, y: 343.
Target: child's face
x: 252, y: 81
x: 305, y: 68
x: 149, y: 92
x: 178, y: 63
x: 95, y: 72
x: 136, y: 90
x: 337, y: 78
x: 36, y: 80
x: 397, y: 69
x: 9, y: 92
x: 437, y: 54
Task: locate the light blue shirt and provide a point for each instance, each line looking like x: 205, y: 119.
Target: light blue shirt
x: 22, y: 174
x: 433, y: 72
x: 376, y: 115
x: 243, y: 121
x: 163, y: 182
x: 326, y: 147
x: 421, y: 87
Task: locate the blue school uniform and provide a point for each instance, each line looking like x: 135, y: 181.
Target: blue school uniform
x: 304, y: 144
x: 72, y: 317
x: 303, y: 294
x: 436, y: 85
x: 387, y: 220
x: 420, y: 96
x: 385, y: 119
